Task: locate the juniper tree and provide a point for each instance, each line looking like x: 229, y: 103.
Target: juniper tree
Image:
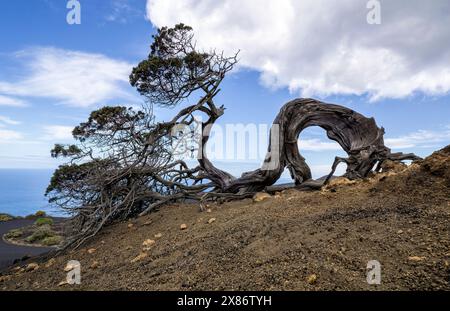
x: 123, y: 163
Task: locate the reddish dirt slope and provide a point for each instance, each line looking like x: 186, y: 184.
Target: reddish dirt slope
x: 401, y: 219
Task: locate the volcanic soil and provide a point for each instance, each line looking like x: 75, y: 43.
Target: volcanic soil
x: 295, y: 240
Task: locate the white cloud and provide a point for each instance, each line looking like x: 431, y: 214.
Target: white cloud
x: 70, y: 77
x: 315, y: 144
x: 12, y: 102
x: 319, y: 48
x: 8, y: 121
x: 420, y: 139
x: 58, y: 132
x: 417, y: 139
x: 8, y: 135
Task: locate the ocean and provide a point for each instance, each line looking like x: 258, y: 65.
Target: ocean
x: 22, y: 192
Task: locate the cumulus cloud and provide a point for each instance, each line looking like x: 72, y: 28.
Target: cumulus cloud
x: 318, y: 48
x: 70, y: 77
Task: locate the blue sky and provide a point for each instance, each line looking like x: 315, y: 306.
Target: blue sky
x: 53, y: 74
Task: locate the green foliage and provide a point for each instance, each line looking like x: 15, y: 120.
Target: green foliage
x: 123, y: 163
x: 43, y: 221
x: 107, y: 120
x: 65, y: 151
x: 163, y: 40
x: 52, y: 240
x: 64, y: 173
x: 41, y: 233
x: 5, y: 217
x: 70, y: 174
x: 15, y: 233
x: 174, y: 69
x: 40, y: 214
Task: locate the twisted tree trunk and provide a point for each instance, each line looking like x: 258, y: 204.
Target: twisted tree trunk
x: 359, y: 137
x: 125, y: 164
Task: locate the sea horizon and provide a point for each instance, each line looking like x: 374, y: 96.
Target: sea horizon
x: 22, y: 191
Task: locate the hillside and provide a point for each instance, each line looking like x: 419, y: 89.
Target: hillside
x: 291, y: 241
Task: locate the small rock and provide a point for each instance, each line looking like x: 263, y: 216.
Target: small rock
x: 312, y: 279
x: 400, y: 231
x: 147, y: 223
x: 62, y: 283
x: 261, y: 196
x: 277, y: 196
x: 5, y: 278
x: 50, y: 263
x: 91, y: 250
x: 95, y: 264
x: 130, y: 226
x: 208, y: 210
x: 416, y: 258
x: 103, y: 242
x: 158, y: 235
x: 31, y: 267
x: 129, y: 247
x: 139, y: 257
x: 148, y: 243
x: 20, y: 270
x: 211, y: 220
x: 183, y: 227
x: 69, y: 267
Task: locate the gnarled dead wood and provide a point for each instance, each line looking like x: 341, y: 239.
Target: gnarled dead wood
x: 124, y: 162
x: 359, y: 137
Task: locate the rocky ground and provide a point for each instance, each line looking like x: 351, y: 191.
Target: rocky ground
x: 290, y: 241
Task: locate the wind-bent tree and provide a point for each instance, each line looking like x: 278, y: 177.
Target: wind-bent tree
x: 124, y: 162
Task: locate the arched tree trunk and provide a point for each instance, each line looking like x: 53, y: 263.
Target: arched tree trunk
x: 359, y: 137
